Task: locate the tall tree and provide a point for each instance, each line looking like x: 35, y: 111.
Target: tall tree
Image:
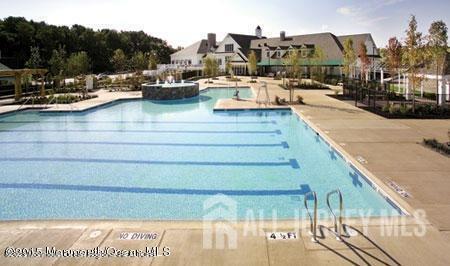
x: 17, y: 35
x: 78, y: 64
x: 349, y: 57
x: 139, y: 62
x: 119, y: 60
x: 437, y: 46
x: 317, y: 61
x: 57, y: 64
x: 413, y: 56
x: 292, y: 61
x: 152, y: 61
x: 364, y: 60
x: 252, y: 63
x: 35, y: 60
x: 394, y: 57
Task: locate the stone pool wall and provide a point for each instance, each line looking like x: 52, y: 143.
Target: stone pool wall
x: 169, y: 91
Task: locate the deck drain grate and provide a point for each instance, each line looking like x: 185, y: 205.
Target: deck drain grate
x: 399, y: 189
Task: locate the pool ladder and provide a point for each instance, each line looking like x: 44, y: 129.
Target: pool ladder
x: 313, y: 218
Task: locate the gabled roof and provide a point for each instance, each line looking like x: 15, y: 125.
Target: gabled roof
x: 200, y: 47
x: 326, y: 41
x: 244, y: 41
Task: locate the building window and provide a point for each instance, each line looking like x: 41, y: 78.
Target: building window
x: 229, y: 47
x: 219, y: 61
x: 199, y: 62
x: 268, y: 53
x: 278, y: 54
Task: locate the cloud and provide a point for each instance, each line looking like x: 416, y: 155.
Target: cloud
x: 325, y: 27
x: 347, y: 11
x: 363, y: 14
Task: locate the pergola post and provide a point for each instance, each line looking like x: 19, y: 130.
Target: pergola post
x: 18, y: 86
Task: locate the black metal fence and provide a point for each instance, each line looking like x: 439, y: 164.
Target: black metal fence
x: 382, y: 99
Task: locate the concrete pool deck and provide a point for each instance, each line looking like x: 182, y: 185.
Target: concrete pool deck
x: 389, y: 149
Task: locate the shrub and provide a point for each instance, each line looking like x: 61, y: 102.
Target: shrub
x: 280, y: 101
x: 404, y: 109
x: 393, y: 109
x: 313, y: 86
x: 283, y: 86
x: 434, y: 144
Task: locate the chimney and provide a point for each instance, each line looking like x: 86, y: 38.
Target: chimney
x: 258, y: 32
x: 282, y: 35
x: 211, y: 41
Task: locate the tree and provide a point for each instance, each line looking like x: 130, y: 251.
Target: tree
x: 17, y: 35
x: 215, y: 68
x: 139, y: 62
x: 78, y: 64
x: 437, y: 46
x: 317, y: 61
x: 413, y: 56
x: 364, y: 60
x: 252, y: 63
x: 349, y: 57
x: 35, y: 60
x: 292, y: 61
x: 229, y: 66
x: 210, y: 67
x: 152, y: 61
x: 119, y: 60
x: 394, y: 57
x: 58, y: 63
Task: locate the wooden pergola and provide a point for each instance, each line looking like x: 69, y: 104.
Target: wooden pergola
x: 18, y: 73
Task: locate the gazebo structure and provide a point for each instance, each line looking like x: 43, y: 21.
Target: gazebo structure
x: 18, y: 73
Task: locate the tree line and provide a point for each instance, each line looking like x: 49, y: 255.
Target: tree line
x: 77, y: 48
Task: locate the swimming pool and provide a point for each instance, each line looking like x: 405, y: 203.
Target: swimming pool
x: 141, y: 159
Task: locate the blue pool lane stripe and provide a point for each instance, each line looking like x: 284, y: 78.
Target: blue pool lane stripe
x: 137, y: 122
x: 149, y: 131
x: 292, y: 162
x: 304, y: 188
x: 283, y: 144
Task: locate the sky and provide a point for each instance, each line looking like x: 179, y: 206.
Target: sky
x: 183, y: 22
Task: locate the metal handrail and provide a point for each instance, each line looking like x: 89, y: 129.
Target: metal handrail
x: 20, y: 107
x: 337, y: 228
x: 313, y: 221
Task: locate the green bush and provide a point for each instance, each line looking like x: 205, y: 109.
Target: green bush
x: 312, y: 86
x: 441, y: 147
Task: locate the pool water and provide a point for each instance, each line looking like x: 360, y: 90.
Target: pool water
x: 140, y: 159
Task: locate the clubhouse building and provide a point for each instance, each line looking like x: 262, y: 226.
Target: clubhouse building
x: 271, y: 52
